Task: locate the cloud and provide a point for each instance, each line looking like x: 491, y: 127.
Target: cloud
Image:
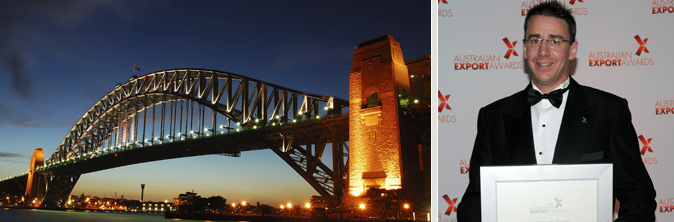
x: 11, y: 116
x: 18, y: 77
x: 10, y: 155
x: 23, y: 27
x: 28, y: 29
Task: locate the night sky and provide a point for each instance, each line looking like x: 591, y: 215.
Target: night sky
x: 58, y: 58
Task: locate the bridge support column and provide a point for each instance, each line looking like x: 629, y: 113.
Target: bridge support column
x: 36, y: 181
x: 378, y: 87
x: 58, y: 189
x: 338, y: 164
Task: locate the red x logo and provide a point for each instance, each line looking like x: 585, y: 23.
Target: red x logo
x: 642, y: 45
x: 511, y: 48
x: 574, y: 1
x: 443, y: 1
x: 647, y: 144
x: 443, y: 102
x: 451, y: 203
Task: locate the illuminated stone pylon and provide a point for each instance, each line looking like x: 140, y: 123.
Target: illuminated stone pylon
x: 378, y: 86
x: 36, y: 181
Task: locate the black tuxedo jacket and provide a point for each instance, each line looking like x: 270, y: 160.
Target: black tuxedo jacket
x: 596, y: 128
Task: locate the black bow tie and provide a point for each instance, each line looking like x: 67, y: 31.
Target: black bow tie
x: 555, y: 97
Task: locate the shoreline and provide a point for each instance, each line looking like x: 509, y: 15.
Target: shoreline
x: 77, y: 210
x: 258, y: 218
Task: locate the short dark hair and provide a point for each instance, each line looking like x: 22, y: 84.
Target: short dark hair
x: 554, y: 9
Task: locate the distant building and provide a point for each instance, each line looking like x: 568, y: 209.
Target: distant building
x: 191, y: 203
x: 157, y: 206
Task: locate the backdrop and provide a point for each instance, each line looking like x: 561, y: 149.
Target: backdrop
x: 625, y: 47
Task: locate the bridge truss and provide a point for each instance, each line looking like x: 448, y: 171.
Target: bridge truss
x: 189, y: 105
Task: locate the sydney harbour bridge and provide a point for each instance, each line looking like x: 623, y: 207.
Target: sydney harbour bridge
x: 190, y: 112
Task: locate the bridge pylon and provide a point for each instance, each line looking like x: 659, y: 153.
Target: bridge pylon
x: 378, y: 87
x: 35, y: 185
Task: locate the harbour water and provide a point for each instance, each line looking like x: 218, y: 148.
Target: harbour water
x: 32, y: 215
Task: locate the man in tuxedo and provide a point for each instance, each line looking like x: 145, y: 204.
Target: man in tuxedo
x: 554, y: 120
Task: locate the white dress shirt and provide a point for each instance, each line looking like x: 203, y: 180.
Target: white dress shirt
x: 545, y: 123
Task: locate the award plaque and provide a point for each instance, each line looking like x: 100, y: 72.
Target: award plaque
x: 547, y: 193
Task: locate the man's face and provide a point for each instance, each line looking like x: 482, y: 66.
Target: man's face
x: 548, y: 63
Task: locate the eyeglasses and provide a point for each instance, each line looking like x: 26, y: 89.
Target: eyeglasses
x: 552, y: 43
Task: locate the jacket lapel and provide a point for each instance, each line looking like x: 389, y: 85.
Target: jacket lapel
x: 576, y: 121
x: 519, y: 137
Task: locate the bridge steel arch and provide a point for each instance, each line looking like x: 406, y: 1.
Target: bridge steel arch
x: 241, y: 100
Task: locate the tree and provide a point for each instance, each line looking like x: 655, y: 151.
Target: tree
x: 333, y: 203
x: 393, y: 201
x: 381, y: 201
x: 266, y: 209
x: 216, y: 204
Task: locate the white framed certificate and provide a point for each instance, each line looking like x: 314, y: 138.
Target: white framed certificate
x: 547, y: 193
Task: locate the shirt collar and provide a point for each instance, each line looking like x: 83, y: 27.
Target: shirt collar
x: 564, y: 85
